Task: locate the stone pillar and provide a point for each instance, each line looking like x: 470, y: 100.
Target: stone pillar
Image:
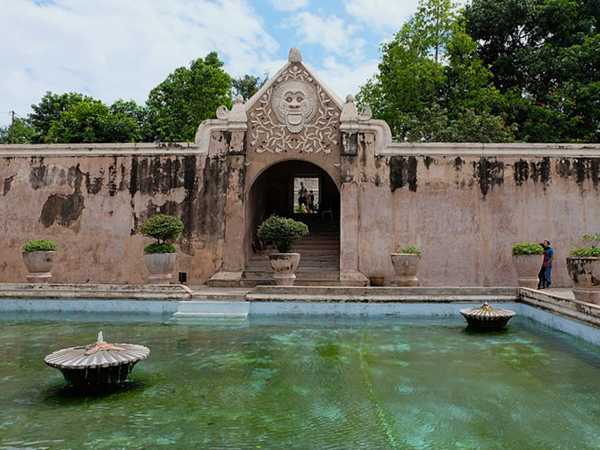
x: 357, y: 146
x: 234, y: 135
x: 349, y: 235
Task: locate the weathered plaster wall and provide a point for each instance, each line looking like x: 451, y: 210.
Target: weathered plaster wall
x: 464, y: 205
x: 91, y: 200
x: 466, y: 210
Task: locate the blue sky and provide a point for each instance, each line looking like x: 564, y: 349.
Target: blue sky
x: 114, y: 49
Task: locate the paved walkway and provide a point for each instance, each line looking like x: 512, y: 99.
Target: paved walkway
x: 560, y: 292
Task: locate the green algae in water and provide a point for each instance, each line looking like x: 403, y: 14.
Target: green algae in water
x: 317, y: 383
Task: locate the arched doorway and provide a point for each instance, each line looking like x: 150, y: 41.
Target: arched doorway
x: 305, y: 192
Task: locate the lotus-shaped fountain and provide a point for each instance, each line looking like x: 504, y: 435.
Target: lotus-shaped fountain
x: 99, y: 364
x: 486, y: 317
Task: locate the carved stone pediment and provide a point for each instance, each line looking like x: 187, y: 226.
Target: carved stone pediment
x: 294, y: 114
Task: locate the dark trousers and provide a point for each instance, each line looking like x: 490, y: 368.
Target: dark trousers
x: 545, y: 278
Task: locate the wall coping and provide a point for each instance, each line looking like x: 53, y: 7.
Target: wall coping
x: 489, y: 150
x: 109, y: 149
x: 392, y: 149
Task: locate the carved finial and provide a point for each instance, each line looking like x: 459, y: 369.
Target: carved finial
x: 222, y: 112
x: 100, y: 339
x: 294, y: 56
x: 349, y: 98
x: 238, y: 99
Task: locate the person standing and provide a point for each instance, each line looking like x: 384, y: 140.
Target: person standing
x: 545, y: 275
x: 311, y: 202
x: 302, y: 200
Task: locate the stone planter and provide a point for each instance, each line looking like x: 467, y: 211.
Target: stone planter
x: 585, y: 274
x: 160, y: 266
x: 528, y: 268
x: 405, y: 268
x: 284, y: 266
x: 39, y: 265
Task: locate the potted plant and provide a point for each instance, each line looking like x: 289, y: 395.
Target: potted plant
x: 406, y: 265
x: 526, y: 259
x: 160, y: 256
x: 38, y: 256
x: 282, y: 232
x: 584, y: 269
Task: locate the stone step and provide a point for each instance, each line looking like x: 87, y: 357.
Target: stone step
x: 268, y: 275
x: 298, y: 282
x: 212, y: 309
x: 303, y: 261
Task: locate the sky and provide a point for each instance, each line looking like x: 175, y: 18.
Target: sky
x: 112, y: 49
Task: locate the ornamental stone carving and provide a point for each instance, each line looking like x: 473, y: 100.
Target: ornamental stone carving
x: 294, y: 114
x: 295, y: 104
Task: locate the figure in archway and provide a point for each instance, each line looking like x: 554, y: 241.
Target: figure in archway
x: 303, y: 199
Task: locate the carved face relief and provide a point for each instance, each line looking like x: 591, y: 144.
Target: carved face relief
x: 294, y: 103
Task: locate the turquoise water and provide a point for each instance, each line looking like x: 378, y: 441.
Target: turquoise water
x: 303, y: 384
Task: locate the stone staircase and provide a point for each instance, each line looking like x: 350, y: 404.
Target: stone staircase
x: 319, y: 262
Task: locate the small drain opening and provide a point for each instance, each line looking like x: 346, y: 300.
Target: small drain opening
x: 183, y: 277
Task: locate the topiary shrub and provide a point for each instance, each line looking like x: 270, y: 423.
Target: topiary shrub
x: 164, y: 228
x: 527, y: 248
x: 586, y: 252
x: 156, y: 247
x: 282, y: 232
x: 593, y: 251
x: 39, y: 245
x: 410, y: 250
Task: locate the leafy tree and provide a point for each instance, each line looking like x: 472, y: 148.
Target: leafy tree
x: 49, y: 109
x: 431, y: 84
x: 187, y: 97
x: 19, y: 132
x: 92, y: 121
x: 127, y: 110
x: 545, y: 57
x: 248, y: 85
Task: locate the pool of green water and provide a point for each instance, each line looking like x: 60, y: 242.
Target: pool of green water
x: 305, y: 384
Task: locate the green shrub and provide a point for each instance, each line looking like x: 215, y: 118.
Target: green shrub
x: 164, y: 228
x: 589, y: 252
x: 411, y: 250
x: 39, y: 245
x: 156, y: 247
x: 282, y: 232
x: 527, y: 248
x: 592, y: 237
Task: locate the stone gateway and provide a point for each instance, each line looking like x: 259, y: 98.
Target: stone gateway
x: 295, y: 144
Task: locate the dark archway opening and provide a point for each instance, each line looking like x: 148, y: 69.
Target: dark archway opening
x: 305, y: 192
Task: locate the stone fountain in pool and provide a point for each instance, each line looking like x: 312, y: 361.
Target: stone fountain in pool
x: 97, y: 365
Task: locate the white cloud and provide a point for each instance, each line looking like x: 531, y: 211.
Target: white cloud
x: 388, y: 14
x: 289, y: 5
x: 344, y: 78
x: 331, y: 33
x: 111, y: 48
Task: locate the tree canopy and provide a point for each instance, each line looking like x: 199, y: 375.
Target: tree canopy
x: 248, y: 85
x: 432, y: 85
x: 187, y: 97
x: 492, y: 71
x: 545, y: 57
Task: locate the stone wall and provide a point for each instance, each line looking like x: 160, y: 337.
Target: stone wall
x: 91, y: 200
x: 466, y: 204
x: 463, y: 204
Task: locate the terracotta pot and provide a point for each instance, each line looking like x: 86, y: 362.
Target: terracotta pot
x: 160, y: 266
x: 39, y: 266
x: 585, y: 273
x: 528, y: 268
x: 284, y: 267
x: 405, y: 267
